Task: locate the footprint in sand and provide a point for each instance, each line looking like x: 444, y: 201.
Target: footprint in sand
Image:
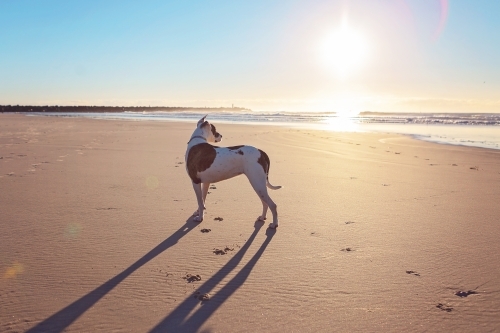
x: 347, y: 249
x: 413, y: 273
x: 192, y: 278
x: 349, y: 222
x: 443, y: 307
x: 223, y: 251
x: 205, y: 230
x: 202, y: 297
x: 218, y: 219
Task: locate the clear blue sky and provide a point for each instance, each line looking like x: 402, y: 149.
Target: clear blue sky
x: 433, y: 55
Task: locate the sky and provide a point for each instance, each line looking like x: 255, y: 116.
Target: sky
x: 266, y: 55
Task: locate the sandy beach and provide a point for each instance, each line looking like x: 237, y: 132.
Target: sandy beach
x: 378, y: 232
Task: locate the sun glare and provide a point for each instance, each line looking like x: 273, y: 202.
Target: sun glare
x: 344, y: 51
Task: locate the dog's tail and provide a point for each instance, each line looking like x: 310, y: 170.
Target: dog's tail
x: 266, y: 164
x: 272, y: 187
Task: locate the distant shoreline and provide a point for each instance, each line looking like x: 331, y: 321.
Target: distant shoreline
x: 58, y: 108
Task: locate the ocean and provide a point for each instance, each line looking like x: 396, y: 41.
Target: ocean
x: 476, y: 130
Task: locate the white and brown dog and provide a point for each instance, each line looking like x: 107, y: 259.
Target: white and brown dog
x: 207, y: 164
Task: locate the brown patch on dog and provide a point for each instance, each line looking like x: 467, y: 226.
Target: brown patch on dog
x: 264, y: 161
x: 200, y: 158
x: 214, y: 131
x: 234, y: 147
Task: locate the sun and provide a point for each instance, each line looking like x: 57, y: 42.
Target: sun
x: 344, y: 51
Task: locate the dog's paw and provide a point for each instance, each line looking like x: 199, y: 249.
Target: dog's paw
x: 198, y: 218
x: 273, y: 225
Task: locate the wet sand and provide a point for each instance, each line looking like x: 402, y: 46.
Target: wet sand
x: 378, y: 232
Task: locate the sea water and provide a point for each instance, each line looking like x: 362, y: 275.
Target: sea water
x: 476, y: 130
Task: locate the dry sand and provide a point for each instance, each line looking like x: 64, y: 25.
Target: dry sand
x: 378, y: 233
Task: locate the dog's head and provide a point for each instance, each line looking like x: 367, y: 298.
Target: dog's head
x: 209, y: 131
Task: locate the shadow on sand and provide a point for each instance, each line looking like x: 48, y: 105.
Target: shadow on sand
x: 180, y: 321
x: 62, y: 319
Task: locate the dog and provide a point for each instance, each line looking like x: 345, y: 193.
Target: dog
x: 206, y: 164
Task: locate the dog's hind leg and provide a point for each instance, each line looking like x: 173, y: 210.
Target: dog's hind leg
x: 264, y: 211
x: 201, y: 205
x: 274, y: 209
x: 258, y: 182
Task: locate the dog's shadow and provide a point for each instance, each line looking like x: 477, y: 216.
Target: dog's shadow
x: 66, y: 316
x: 180, y: 321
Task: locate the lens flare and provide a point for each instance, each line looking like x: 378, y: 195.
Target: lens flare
x: 13, y: 271
x: 343, y: 121
x: 443, y: 17
x: 72, y: 230
x: 152, y: 182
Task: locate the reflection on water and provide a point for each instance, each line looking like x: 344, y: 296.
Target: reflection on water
x: 463, y: 135
x: 477, y: 130
x: 342, y: 122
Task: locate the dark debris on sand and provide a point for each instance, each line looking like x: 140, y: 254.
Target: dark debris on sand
x: 218, y: 219
x: 202, y: 297
x: 223, y: 251
x: 465, y: 293
x: 443, y: 307
x: 192, y: 278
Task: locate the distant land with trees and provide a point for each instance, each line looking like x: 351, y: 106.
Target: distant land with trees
x: 61, y: 108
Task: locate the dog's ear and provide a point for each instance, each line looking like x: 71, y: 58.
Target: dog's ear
x: 201, y: 121
x: 204, y: 124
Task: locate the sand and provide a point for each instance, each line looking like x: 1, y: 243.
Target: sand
x: 378, y: 233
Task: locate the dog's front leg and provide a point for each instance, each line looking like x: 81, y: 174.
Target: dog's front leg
x: 201, y: 205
